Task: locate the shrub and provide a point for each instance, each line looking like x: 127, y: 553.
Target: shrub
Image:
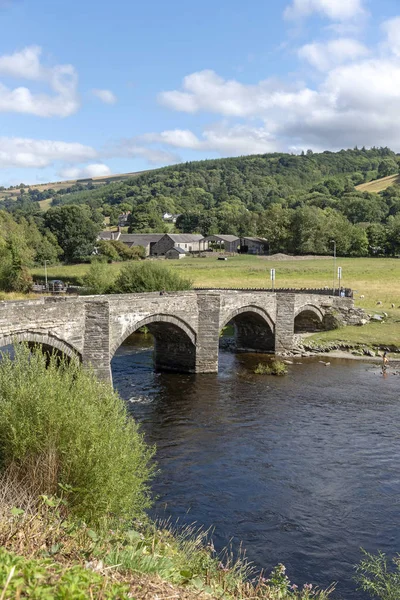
x: 15, y: 278
x: 63, y: 432
x: 375, y: 576
x: 99, y: 278
x: 126, y: 253
x: 105, y: 248
x: 276, y: 367
x: 149, y: 277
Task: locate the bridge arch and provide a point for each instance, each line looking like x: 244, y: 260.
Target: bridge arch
x: 48, y: 341
x: 308, y: 318
x: 254, y: 328
x: 174, y: 342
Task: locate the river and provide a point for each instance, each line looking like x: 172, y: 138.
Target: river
x: 302, y: 469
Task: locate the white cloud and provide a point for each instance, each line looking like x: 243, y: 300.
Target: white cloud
x: 105, y: 96
x: 25, y: 152
x: 93, y: 170
x: 207, y: 91
x: 324, y: 56
x: 355, y: 101
x: 222, y: 138
x: 62, y: 79
x: 392, y: 31
x: 335, y: 10
x: 134, y: 148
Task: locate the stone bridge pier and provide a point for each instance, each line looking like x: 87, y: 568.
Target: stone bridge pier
x: 186, y: 326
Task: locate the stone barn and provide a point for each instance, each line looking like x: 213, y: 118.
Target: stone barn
x: 190, y: 242
x: 176, y: 253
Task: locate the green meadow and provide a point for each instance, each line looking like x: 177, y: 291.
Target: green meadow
x: 377, y: 279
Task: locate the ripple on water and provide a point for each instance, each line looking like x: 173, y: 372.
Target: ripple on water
x: 303, y: 469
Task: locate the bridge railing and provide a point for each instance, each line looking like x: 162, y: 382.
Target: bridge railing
x: 343, y: 292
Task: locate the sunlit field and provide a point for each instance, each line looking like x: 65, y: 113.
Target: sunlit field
x: 377, y: 279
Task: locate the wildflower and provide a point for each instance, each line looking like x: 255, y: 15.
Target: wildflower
x: 307, y: 587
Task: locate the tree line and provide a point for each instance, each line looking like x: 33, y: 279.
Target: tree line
x: 299, y: 203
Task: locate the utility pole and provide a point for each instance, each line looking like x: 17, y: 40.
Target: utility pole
x: 45, y: 273
x: 334, y: 266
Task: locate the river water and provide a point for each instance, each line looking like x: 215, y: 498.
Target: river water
x: 303, y: 469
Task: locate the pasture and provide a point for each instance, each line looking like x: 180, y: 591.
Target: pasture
x: 377, y: 279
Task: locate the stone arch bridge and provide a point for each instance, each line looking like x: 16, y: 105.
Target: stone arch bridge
x: 186, y: 325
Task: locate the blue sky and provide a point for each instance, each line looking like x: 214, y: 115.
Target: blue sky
x: 94, y: 87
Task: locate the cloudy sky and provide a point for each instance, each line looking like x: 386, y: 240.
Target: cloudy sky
x: 92, y: 87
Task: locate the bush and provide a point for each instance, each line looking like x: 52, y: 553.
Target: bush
x: 64, y: 433
x: 15, y: 278
x: 375, y: 576
x: 149, y: 277
x: 99, y: 278
x: 105, y: 248
x: 276, y: 367
x: 126, y: 253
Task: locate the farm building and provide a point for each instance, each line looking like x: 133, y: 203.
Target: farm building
x: 146, y: 240
x: 176, y: 253
x: 190, y: 242
x: 107, y: 236
x: 223, y: 243
x: 253, y: 245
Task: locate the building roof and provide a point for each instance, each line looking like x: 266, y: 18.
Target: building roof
x: 259, y: 240
x: 140, y: 239
x: 184, y: 237
x: 109, y: 235
x: 222, y: 237
x: 178, y: 250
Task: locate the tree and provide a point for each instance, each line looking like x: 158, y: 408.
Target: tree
x: 99, y: 278
x: 387, y: 167
x: 145, y: 220
x: 393, y: 234
x: 75, y: 230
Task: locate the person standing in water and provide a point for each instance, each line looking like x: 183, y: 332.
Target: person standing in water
x: 385, y: 362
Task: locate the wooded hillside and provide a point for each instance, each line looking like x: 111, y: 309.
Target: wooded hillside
x: 298, y: 202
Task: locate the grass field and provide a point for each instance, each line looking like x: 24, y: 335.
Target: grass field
x: 379, y: 184
x: 377, y: 279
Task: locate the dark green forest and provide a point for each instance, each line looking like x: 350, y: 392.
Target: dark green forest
x: 299, y: 203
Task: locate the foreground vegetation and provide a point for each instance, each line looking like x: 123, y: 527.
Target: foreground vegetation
x: 74, y: 476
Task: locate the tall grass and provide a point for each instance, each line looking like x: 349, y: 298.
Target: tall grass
x: 64, y: 433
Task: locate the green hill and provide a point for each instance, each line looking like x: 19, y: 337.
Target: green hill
x: 298, y: 202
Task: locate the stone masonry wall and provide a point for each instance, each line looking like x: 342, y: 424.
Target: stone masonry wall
x: 186, y: 325
x: 56, y: 321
